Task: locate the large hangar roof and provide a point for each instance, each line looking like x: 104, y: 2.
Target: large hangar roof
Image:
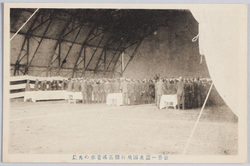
x: 99, y: 35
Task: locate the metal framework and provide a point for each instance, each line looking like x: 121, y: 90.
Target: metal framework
x: 108, y: 54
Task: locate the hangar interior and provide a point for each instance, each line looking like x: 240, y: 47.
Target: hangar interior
x: 112, y: 43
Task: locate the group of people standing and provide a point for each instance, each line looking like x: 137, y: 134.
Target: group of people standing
x: 190, y: 92
x: 96, y: 90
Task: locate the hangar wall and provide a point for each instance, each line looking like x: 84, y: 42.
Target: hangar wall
x: 43, y: 55
x: 170, y: 52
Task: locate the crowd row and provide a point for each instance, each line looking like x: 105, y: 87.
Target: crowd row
x: 191, y: 92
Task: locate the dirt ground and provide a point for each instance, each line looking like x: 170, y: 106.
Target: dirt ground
x: 56, y: 127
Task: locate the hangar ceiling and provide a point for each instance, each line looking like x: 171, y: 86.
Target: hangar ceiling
x: 82, y: 40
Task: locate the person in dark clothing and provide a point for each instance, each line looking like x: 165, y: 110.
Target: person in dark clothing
x: 137, y: 92
x: 70, y: 86
x: 36, y: 86
x: 199, y: 89
x: 58, y: 85
x: 159, y: 91
x: 77, y: 86
x: 48, y: 85
x: 95, y: 91
x: 195, y: 94
x: 175, y: 86
x: 190, y: 94
x: 107, y: 88
x: 84, y: 90
x: 181, y: 93
x: 156, y: 78
x: 27, y: 86
x: 131, y: 92
x: 151, y: 91
x: 43, y: 85
x: 63, y: 85
x: 101, y: 92
x: 124, y: 88
x: 89, y: 91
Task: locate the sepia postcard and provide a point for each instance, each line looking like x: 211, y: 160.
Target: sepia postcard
x: 125, y: 83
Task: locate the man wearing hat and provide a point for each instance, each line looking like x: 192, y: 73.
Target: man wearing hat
x: 36, y: 88
x: 53, y: 85
x: 131, y: 92
x: 124, y: 89
x: 70, y: 85
x: 146, y: 88
x: 58, y: 85
x: 84, y: 91
x: 143, y: 91
x: 63, y: 84
x: 181, y: 93
x: 107, y: 88
x: 151, y: 91
x: 195, y: 95
x: 116, y: 86
x: 168, y: 87
x: 174, y: 86
x: 101, y: 91
x: 77, y: 86
x: 48, y: 85
x: 43, y: 85
x: 199, y: 89
x: 165, y: 86
x: 137, y: 92
x: 27, y: 86
x: 95, y: 91
x: 159, y: 91
x: 89, y: 91
x: 190, y: 93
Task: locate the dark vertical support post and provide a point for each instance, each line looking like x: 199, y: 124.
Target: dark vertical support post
x: 103, y: 50
x: 58, y: 44
x: 28, y: 32
x: 94, y: 51
x: 59, y: 56
x: 105, y: 54
x: 59, y: 53
x: 112, y: 58
x: 110, y: 62
x: 39, y: 44
x: 72, y: 44
x: 22, y: 48
x: 83, y: 48
x: 123, y: 49
x: 84, y: 61
x: 122, y: 62
x: 132, y: 56
x: 28, y: 52
x: 16, y: 68
x: 117, y: 60
x: 18, y: 58
x: 26, y: 40
x: 77, y: 59
x: 84, y: 58
x: 99, y: 59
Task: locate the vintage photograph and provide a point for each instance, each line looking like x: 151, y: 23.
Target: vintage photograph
x: 125, y: 84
